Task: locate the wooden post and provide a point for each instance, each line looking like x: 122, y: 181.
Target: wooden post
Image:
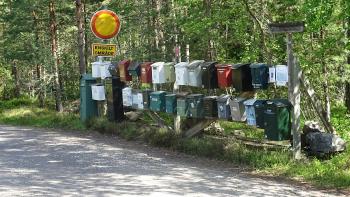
x: 294, y: 76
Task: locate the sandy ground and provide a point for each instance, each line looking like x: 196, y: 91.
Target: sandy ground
x: 39, y: 162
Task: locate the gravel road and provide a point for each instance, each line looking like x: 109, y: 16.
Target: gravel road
x: 38, y: 162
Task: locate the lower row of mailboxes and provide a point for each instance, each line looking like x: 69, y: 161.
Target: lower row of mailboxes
x: 271, y: 115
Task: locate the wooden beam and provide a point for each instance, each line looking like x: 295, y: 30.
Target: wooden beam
x: 198, y: 128
x: 316, y: 103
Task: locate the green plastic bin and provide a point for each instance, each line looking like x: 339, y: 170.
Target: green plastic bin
x: 277, y: 120
x: 88, y: 107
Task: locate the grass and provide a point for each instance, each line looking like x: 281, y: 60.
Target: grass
x: 331, y: 173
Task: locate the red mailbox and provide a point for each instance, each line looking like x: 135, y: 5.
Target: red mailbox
x: 123, y: 70
x: 146, y: 72
x: 224, y: 72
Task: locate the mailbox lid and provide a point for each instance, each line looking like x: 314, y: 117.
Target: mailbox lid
x: 209, y: 75
x: 169, y: 70
x: 260, y: 75
x: 146, y: 72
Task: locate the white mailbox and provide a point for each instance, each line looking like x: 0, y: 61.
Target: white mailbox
x: 139, y: 100
x: 169, y: 72
x: 158, y: 73
x: 181, y: 73
x: 279, y: 75
x: 96, y: 71
x: 104, y: 70
x: 98, y: 92
x: 127, y: 97
x: 195, y: 73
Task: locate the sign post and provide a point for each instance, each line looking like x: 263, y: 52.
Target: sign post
x: 294, y: 75
x: 105, y: 24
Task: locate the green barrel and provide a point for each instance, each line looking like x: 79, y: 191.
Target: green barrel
x: 88, y: 107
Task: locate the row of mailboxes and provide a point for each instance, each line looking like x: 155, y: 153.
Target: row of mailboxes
x: 198, y: 73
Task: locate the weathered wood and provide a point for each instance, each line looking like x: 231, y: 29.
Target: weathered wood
x: 292, y: 27
x: 316, y: 103
x: 198, y: 128
x: 294, y: 97
x: 296, y: 111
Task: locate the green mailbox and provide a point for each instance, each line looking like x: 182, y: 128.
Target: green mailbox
x: 210, y: 107
x: 88, y: 107
x: 182, y: 106
x: 170, y: 103
x: 195, y: 105
x: 277, y: 120
x: 157, y: 102
x: 259, y: 107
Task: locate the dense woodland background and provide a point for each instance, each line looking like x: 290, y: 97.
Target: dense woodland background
x: 45, y: 44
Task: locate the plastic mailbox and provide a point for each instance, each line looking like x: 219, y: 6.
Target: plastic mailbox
x: 260, y: 75
x: 224, y: 75
x: 146, y: 72
x: 195, y: 73
x: 250, y: 111
x: 195, y: 105
x: 209, y: 75
x: 238, y: 109
x: 123, y: 70
x: 241, y: 77
x: 210, y: 107
x: 182, y: 106
x: 169, y: 70
x: 134, y: 69
x: 158, y: 73
x: 127, y: 97
x: 259, y: 107
x: 146, y: 98
x: 104, y: 70
x: 277, y: 120
x: 96, y: 71
x: 157, y: 102
x: 170, y: 103
x: 137, y: 101
x: 223, y: 107
x: 98, y: 92
x: 181, y: 73
x: 88, y: 107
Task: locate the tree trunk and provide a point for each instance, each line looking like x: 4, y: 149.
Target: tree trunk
x: 327, y: 101
x: 54, y: 47
x: 38, y: 66
x: 81, y: 35
x: 17, y: 90
x: 347, y: 85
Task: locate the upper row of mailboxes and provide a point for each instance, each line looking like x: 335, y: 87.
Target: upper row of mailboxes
x: 198, y: 73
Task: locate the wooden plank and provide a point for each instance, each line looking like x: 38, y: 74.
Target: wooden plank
x: 316, y: 103
x: 198, y: 128
x: 156, y: 118
x: 292, y: 27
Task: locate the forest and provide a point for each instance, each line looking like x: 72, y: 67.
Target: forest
x: 46, y: 45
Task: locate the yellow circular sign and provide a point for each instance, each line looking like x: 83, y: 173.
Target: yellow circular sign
x: 105, y: 24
